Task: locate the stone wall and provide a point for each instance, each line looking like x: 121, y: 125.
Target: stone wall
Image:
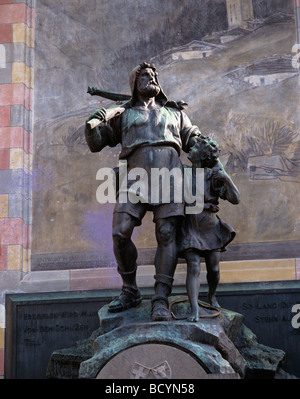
x: 16, y: 104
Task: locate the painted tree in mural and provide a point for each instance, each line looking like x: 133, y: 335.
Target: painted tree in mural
x: 251, y: 136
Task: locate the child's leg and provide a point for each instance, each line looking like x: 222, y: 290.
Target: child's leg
x: 193, y: 282
x: 212, y: 260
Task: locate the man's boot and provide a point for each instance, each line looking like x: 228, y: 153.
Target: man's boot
x: 130, y: 296
x: 126, y: 256
x: 160, y: 304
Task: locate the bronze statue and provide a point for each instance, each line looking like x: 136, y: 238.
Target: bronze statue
x: 205, y: 234
x: 152, y: 132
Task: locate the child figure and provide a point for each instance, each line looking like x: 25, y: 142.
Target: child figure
x: 205, y: 234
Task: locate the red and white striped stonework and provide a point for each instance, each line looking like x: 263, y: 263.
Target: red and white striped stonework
x: 16, y: 100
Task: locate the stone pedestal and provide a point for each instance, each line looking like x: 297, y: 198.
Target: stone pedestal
x: 130, y: 345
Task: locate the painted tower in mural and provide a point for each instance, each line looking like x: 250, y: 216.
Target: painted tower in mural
x: 238, y: 12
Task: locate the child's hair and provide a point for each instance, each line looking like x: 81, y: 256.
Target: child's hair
x: 208, y: 149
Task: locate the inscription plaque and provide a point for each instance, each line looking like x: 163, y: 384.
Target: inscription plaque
x: 37, y: 324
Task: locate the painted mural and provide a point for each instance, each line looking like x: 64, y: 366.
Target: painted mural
x: 231, y: 61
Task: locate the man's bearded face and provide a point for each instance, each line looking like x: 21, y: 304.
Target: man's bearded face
x: 146, y: 83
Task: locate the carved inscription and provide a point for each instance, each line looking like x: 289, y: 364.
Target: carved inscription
x: 273, y: 312
x: 36, y: 325
x: 62, y: 261
x: 40, y: 323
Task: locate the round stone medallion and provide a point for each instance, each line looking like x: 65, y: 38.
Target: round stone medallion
x: 149, y: 361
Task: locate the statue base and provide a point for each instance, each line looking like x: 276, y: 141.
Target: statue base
x: 129, y: 345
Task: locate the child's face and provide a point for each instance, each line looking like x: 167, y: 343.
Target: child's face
x: 210, y: 160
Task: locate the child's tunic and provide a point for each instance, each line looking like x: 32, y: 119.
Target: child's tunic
x: 206, y: 231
